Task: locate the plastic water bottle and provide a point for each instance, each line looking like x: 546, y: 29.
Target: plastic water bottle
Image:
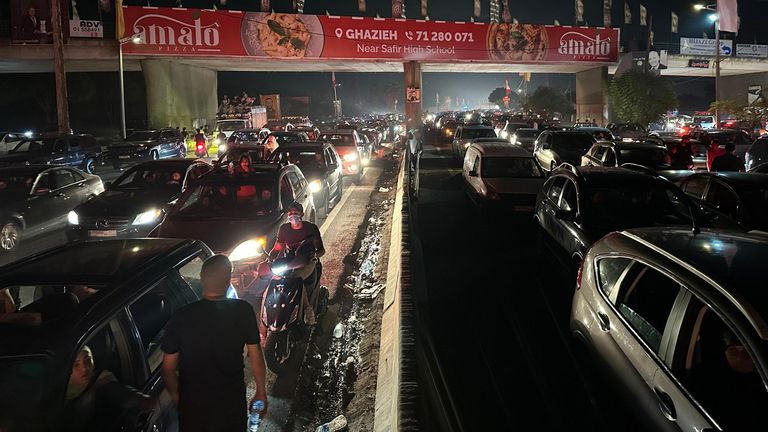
x: 254, y: 419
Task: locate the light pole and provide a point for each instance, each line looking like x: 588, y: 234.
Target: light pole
x: 715, y: 19
x: 121, y: 42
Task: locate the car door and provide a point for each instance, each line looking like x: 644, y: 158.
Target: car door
x: 334, y: 173
x: 609, y: 158
x: 79, y: 188
x: 286, y: 195
x: 723, y: 200
x: 60, y: 155
x: 695, y: 186
x: 549, y: 203
x: 567, y: 232
x: 75, y: 152
x: 635, y: 327
x: 301, y: 192
x: 48, y: 205
x: 70, y: 191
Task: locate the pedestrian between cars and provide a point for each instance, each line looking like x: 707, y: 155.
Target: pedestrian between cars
x: 682, y: 154
x: 270, y: 146
x: 729, y: 161
x: 203, y: 360
x: 95, y: 400
x: 714, y: 152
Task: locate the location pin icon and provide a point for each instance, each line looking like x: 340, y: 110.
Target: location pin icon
x: 339, y: 32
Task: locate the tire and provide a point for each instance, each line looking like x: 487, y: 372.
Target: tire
x: 183, y: 151
x: 281, y: 352
x: 10, y: 236
x: 89, y: 165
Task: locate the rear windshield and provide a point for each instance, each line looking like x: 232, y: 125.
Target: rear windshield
x: 510, y: 167
x: 527, y: 133
x: 230, y: 126
x: 246, y: 136
x: 477, y: 133
x: 644, y: 156
x: 338, y: 139
x: 569, y: 145
x: 241, y: 200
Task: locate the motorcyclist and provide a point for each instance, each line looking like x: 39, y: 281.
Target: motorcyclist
x: 289, y: 236
x: 200, y: 140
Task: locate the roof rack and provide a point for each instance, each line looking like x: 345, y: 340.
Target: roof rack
x: 572, y: 168
x: 639, y: 168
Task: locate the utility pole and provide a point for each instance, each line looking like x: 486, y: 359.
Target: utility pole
x: 717, y: 73
x: 62, y: 106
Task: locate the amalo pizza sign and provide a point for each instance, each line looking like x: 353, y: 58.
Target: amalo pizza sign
x: 191, y: 32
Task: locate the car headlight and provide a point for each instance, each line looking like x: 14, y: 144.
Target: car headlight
x: 248, y: 249
x: 217, y: 141
x: 73, y: 218
x: 350, y: 157
x: 315, y: 186
x: 222, y: 148
x: 147, y: 217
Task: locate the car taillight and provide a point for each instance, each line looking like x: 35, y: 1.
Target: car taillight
x: 578, y: 275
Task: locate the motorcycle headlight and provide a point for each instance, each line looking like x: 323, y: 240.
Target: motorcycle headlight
x: 350, y: 157
x: 248, y: 249
x: 315, y: 186
x: 217, y: 141
x: 73, y: 218
x: 147, y: 217
x: 279, y: 270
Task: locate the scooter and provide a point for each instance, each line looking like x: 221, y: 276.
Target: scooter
x: 201, y: 149
x: 282, y: 310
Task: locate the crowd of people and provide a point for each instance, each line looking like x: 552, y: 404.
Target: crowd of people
x: 718, y: 158
x: 237, y: 104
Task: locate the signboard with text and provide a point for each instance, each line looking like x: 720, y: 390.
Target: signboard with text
x: 701, y: 64
x: 752, y: 50
x: 191, y: 32
x: 706, y: 47
x: 86, y: 29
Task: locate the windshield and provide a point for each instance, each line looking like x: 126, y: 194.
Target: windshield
x: 338, y: 139
x: 570, y: 145
x: 246, y: 136
x: 703, y: 119
x: 26, y: 388
x: 510, y: 167
x: 144, y: 136
x: 151, y: 177
x: 229, y: 126
x: 632, y: 205
x: 477, y: 133
x: 527, y: 133
x: 307, y: 160
x: 34, y: 145
x: 240, y: 200
x: 649, y: 157
x: 16, y: 184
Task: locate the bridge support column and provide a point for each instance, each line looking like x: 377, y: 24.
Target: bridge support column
x: 591, y: 95
x: 412, y: 73
x: 179, y: 95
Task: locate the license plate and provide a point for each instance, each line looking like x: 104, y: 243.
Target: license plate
x: 102, y: 234
x: 124, y: 157
x: 522, y: 208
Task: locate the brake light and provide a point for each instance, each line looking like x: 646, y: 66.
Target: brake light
x: 200, y: 147
x: 578, y: 275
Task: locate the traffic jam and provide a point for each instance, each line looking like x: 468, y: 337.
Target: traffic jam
x: 123, y: 256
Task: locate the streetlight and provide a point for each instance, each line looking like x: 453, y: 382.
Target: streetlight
x: 134, y: 40
x: 714, y: 19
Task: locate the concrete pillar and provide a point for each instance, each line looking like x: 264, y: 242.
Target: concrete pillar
x: 179, y: 94
x: 735, y: 87
x: 591, y: 95
x: 412, y: 73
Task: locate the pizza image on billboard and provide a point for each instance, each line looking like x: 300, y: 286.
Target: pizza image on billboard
x: 282, y: 35
x: 517, y: 42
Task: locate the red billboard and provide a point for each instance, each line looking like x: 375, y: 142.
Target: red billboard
x: 192, y: 32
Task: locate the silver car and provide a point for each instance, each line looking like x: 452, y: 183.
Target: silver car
x: 677, y: 319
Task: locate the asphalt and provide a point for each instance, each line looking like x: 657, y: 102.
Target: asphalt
x: 497, y: 305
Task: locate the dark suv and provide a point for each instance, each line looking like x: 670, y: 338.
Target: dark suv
x: 113, y: 296
x: 554, y: 147
x: 148, y: 145
x: 79, y: 151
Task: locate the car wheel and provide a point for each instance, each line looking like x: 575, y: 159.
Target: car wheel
x: 182, y: 151
x: 154, y: 155
x: 10, y: 236
x: 88, y: 165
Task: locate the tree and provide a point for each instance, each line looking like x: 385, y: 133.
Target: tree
x: 549, y: 99
x: 497, y: 96
x: 641, y: 97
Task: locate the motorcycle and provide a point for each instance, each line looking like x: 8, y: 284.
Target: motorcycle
x: 201, y: 150
x: 282, y: 308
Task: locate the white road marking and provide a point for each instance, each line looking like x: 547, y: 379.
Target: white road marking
x: 336, y: 209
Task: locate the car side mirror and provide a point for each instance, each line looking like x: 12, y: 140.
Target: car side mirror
x: 472, y: 173
x: 566, y: 215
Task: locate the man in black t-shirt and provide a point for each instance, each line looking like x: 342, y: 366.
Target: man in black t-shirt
x: 729, y: 161
x: 289, y: 237
x: 204, y: 343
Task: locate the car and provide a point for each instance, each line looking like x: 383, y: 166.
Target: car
x: 79, y: 151
x: 524, y: 137
x: 349, y: 146
x: 760, y: 169
x: 448, y: 129
x: 507, y: 128
x: 500, y: 174
x: 705, y: 121
x: 598, y: 133
x: 660, y: 311
x: 554, y: 147
x: 312, y: 132
x: 283, y: 138
x: 143, y: 145
x: 279, y: 125
x: 698, y: 149
x: 627, y: 130
x: 113, y: 296
x: 740, y: 197
x: 321, y: 166
x: 135, y: 203
x: 757, y: 154
x: 739, y: 138
x: 577, y: 206
x: 36, y: 200
x: 8, y: 140
x: 464, y: 136
x: 238, y: 213
x: 649, y: 154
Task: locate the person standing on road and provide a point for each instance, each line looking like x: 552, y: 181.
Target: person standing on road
x: 714, y: 152
x: 729, y: 161
x: 204, y: 343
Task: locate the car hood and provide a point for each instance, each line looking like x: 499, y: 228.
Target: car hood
x: 515, y: 185
x: 124, y: 202
x: 31, y: 157
x: 220, y: 235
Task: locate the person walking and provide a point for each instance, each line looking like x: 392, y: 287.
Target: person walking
x: 203, y: 356
x: 729, y: 161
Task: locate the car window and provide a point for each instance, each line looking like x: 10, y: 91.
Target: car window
x: 286, y: 194
x: 556, y: 188
x: 458, y: 133
x: 62, y: 178
x: 719, y: 372
x: 610, y: 158
x: 190, y: 272
x: 646, y: 302
x: 168, y: 134
x: 77, y: 176
x: 476, y: 164
x: 295, y: 181
x: 609, y: 270
x: 695, y: 186
x: 74, y: 145
x: 329, y: 158
x: 569, y: 199
x: 599, y: 152
x: 106, y: 357
x: 60, y: 146
x: 723, y: 199
x: 151, y: 312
